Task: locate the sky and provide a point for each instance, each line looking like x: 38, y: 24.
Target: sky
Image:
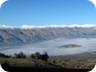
x: 47, y: 12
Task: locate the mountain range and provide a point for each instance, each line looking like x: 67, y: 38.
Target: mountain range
x: 27, y: 34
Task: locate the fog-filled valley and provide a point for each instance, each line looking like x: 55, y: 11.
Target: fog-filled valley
x: 52, y: 47
x: 56, y: 40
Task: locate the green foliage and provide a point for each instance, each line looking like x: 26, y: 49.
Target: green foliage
x: 37, y: 55
x: 32, y: 56
x: 20, y: 55
x: 4, y: 56
x: 44, y: 56
x: 54, y: 61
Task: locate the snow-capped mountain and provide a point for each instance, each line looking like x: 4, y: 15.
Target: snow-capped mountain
x: 24, y: 34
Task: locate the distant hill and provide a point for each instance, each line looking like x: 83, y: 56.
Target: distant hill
x: 25, y: 34
x: 70, y: 46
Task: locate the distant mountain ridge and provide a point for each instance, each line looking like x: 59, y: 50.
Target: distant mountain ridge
x: 25, y: 34
x: 52, y: 26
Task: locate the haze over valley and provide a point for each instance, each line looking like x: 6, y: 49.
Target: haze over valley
x: 56, y: 40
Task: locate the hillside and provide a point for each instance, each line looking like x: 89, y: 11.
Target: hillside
x: 25, y: 34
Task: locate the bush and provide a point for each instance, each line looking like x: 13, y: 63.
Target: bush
x: 3, y: 55
x: 37, y: 55
x: 54, y: 61
x: 32, y: 56
x: 20, y: 55
x: 44, y: 56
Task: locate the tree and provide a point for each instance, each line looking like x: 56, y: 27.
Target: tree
x: 37, y: 55
x: 20, y: 55
x: 32, y: 56
x: 54, y: 61
x: 3, y: 55
x: 45, y: 56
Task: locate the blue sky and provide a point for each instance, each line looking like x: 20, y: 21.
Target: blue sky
x: 47, y: 12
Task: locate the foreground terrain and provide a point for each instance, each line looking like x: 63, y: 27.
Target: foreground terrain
x: 80, y: 61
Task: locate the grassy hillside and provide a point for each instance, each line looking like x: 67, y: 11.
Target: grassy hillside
x: 83, y: 61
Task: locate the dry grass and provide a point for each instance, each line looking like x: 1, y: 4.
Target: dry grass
x: 70, y: 62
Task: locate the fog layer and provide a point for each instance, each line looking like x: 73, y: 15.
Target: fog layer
x: 52, y: 47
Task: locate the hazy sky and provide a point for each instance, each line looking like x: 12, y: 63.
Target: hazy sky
x: 47, y: 12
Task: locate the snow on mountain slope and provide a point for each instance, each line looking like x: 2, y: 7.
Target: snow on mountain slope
x: 24, y: 34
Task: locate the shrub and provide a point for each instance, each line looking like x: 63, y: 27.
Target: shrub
x: 32, y: 56
x: 20, y: 55
x: 37, y: 55
x: 3, y: 55
x: 54, y: 61
x: 44, y: 56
